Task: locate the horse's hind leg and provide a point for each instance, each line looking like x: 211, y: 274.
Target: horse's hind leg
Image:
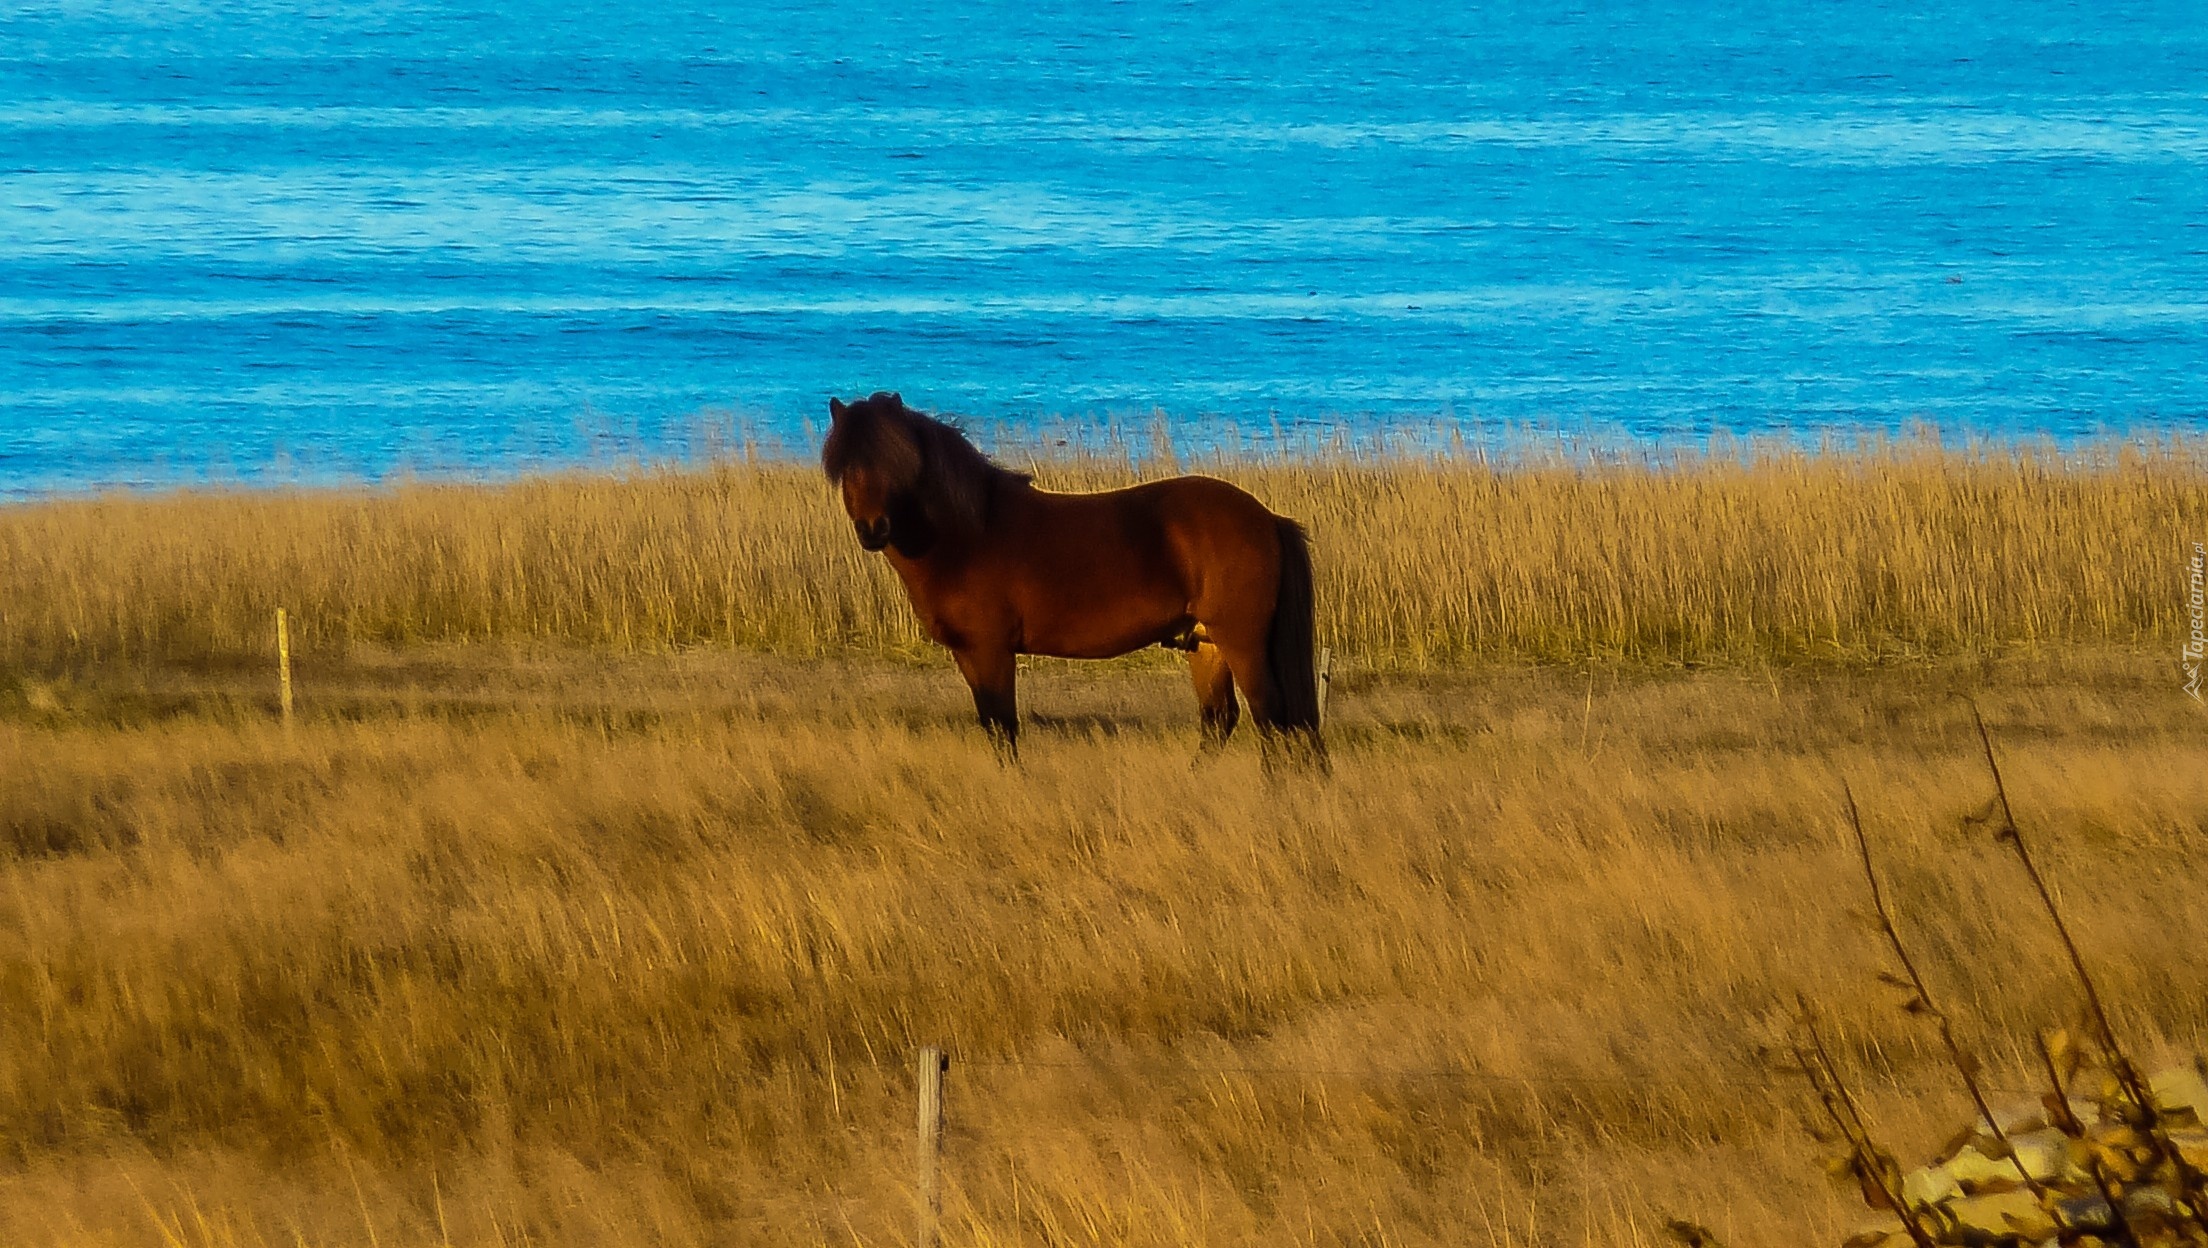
x: 1214, y: 682
x: 1241, y: 652
x: 993, y: 676
x: 1245, y: 657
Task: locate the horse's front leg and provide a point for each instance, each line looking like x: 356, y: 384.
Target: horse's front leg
x: 992, y: 672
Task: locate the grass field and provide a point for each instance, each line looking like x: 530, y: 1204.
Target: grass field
x: 551, y: 924
x: 1903, y: 551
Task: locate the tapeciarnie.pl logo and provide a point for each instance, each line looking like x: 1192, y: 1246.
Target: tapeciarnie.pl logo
x: 2196, y: 605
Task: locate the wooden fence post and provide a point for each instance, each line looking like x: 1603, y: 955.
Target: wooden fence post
x: 1326, y: 678
x: 283, y: 663
x: 933, y: 1062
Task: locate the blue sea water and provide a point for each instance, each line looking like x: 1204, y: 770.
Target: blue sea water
x: 258, y: 242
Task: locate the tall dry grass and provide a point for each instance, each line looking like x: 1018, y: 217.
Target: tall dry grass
x: 1423, y: 559
x: 593, y: 952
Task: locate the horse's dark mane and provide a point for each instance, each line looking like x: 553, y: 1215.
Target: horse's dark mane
x: 919, y: 455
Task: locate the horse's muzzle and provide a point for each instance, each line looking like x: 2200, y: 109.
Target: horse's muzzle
x: 874, y: 534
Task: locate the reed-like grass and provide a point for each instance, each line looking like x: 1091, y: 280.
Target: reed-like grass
x: 1430, y: 559
x: 598, y: 952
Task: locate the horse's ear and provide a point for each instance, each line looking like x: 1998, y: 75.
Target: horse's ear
x: 836, y: 409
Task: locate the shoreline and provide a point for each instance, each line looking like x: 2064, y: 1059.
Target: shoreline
x: 1153, y: 445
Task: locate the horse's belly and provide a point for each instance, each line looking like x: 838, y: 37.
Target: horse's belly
x: 1103, y: 627
x: 1101, y: 644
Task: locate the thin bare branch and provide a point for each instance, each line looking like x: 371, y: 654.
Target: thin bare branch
x: 1939, y: 1016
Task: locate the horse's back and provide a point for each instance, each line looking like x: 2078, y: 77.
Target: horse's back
x: 1223, y: 543
x: 1200, y: 505
x: 1213, y: 521
x: 1101, y: 573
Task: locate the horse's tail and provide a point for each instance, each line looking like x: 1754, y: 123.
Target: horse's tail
x: 1288, y: 648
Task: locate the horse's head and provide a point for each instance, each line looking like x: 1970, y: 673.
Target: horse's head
x: 873, y: 454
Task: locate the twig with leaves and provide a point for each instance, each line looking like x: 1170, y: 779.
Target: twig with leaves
x: 2061, y: 1060
x: 2060, y: 1057
x: 2143, y: 1113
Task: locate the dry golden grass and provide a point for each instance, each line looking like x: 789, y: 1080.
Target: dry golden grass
x: 558, y: 948
x: 1908, y: 550
x: 612, y: 877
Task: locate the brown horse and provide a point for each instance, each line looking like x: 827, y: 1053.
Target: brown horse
x: 997, y: 568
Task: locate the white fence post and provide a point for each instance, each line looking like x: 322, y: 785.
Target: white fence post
x: 1326, y: 678
x: 283, y: 663
x: 933, y: 1062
